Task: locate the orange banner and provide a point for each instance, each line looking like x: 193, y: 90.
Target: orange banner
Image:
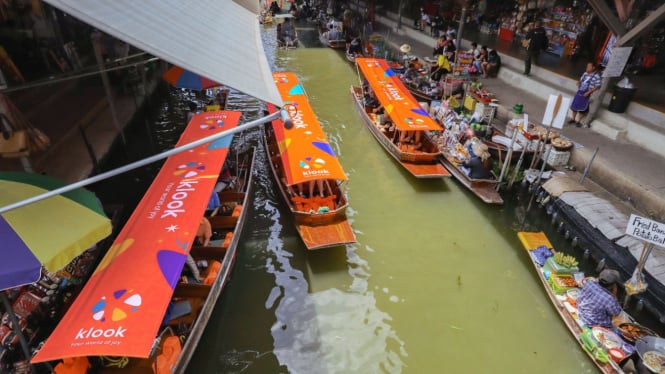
x: 402, y: 108
x: 304, y: 149
x: 121, y: 308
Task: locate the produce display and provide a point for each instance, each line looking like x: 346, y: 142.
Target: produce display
x: 631, y: 332
x: 565, y: 260
x: 654, y: 360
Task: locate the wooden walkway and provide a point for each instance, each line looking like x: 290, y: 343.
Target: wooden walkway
x: 608, y: 219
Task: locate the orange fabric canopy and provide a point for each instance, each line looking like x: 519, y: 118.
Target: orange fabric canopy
x: 121, y: 307
x: 396, y: 99
x: 304, y: 149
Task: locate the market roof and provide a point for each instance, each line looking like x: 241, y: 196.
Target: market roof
x: 219, y: 40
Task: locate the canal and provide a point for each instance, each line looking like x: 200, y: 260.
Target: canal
x: 438, y: 281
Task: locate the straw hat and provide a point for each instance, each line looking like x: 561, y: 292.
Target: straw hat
x: 405, y: 48
x: 481, y: 150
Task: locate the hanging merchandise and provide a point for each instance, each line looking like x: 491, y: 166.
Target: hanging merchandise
x: 13, y: 142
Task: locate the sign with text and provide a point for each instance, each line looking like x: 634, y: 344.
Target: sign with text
x: 617, y: 62
x: 646, y: 229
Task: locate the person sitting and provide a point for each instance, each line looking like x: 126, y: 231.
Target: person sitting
x: 597, y: 303
x: 289, y: 33
x: 274, y: 8
x: 387, y: 126
x: 204, y: 232
x: 492, y: 65
x: 355, y: 47
x: 441, y: 68
x: 478, y: 165
x: 411, y: 74
x: 440, y: 45
x: 280, y: 36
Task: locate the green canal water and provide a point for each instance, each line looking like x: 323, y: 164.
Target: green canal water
x: 437, y: 283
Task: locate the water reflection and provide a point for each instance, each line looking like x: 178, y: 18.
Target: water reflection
x: 437, y: 282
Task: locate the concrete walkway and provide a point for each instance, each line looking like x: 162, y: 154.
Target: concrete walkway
x: 628, y: 173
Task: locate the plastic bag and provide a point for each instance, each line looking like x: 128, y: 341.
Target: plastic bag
x: 625, y: 83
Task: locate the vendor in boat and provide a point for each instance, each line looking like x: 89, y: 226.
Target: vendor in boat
x: 441, y: 68
x: 355, y: 47
x: 410, y: 75
x: 478, y: 165
x: 597, y: 303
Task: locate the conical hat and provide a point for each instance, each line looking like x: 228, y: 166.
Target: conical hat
x: 405, y: 48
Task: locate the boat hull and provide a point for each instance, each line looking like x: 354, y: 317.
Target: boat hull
x: 226, y: 255
x: 485, y: 189
x: 419, y: 164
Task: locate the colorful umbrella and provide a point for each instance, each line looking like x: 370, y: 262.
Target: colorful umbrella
x: 50, y: 232
x: 182, y: 78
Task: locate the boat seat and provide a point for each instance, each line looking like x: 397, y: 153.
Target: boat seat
x: 223, y: 222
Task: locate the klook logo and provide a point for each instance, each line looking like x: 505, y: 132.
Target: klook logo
x: 117, y: 307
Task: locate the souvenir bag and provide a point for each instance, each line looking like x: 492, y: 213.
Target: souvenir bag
x: 13, y: 142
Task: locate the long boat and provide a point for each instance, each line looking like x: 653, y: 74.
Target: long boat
x: 307, y: 170
x: 337, y: 43
x: 485, y: 189
x: 405, y: 113
x: 138, y: 310
x: 594, y: 349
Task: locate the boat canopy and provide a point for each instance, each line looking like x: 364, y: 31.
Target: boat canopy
x: 216, y: 39
x: 398, y: 103
x: 122, y: 306
x: 304, y: 149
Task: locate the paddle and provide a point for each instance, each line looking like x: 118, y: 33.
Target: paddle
x: 557, y: 106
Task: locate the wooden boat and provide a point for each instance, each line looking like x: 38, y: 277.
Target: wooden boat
x: 142, y: 271
x: 485, y: 189
x: 405, y: 113
x: 339, y: 42
x: 418, y: 94
x: 531, y: 241
x: 307, y: 172
x: 203, y: 297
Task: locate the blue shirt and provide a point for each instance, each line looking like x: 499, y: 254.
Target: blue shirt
x: 596, y: 305
x: 214, y: 201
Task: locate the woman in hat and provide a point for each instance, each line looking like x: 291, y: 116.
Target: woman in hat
x: 479, y: 164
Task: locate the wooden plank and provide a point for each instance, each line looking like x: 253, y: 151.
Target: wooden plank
x: 324, y: 236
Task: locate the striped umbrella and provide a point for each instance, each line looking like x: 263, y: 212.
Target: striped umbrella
x: 48, y: 233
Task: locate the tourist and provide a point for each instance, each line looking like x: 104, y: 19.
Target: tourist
x: 355, y: 47
x: 192, y: 111
x: 440, y: 46
x: 535, y: 41
x: 424, y: 19
x: 588, y: 84
x: 597, y: 303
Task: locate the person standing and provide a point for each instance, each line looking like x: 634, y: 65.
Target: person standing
x: 589, y: 83
x: 535, y: 41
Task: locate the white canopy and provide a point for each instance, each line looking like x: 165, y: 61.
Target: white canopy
x: 218, y: 39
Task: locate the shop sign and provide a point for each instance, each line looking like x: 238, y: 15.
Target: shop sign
x: 617, y: 62
x: 647, y: 230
